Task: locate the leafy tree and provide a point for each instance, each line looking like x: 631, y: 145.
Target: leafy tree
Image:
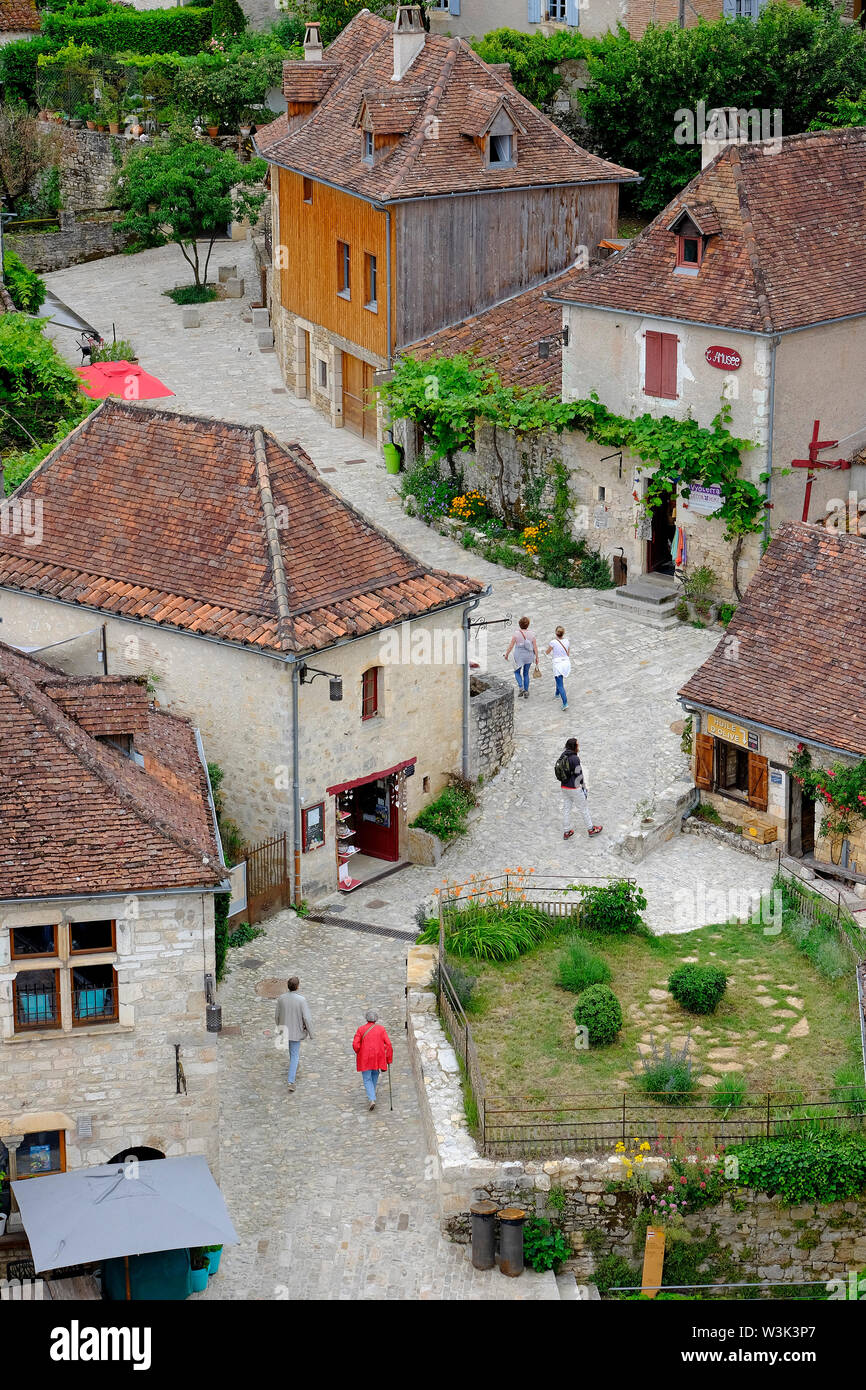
x: 844, y: 111
x: 182, y: 190
x: 25, y: 151
x: 40, y: 394
x: 533, y: 58
x: 797, y: 60
x: 334, y: 15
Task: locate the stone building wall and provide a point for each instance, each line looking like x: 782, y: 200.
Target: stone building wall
x: 491, y: 710
x: 89, y: 160
x: 242, y: 702
x: 79, y: 239
x: 121, y: 1075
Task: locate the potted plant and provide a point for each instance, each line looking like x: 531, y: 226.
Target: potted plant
x: 246, y: 124
x: 212, y: 123
x: 213, y: 1253
x: 198, y: 1260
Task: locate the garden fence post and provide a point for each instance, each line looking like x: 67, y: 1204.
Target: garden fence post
x: 507, y: 898
x: 623, y: 1118
x: 768, y: 1113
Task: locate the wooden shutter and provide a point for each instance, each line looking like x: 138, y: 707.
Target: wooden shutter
x: 453, y: 6
x: 668, y: 366
x: 572, y: 12
x: 653, y: 365
x: 533, y: 11
x: 758, y: 779
x: 705, y: 748
x: 729, y: 9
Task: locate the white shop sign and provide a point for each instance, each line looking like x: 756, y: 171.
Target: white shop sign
x: 705, y: 499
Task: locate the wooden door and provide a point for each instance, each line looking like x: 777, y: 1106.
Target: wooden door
x: 357, y: 395
x: 377, y: 819
x: 758, y: 781
x: 664, y: 524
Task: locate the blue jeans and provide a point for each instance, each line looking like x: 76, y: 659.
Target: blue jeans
x: 521, y: 675
x: 560, y: 690
x: 294, y: 1058
x: 371, y: 1081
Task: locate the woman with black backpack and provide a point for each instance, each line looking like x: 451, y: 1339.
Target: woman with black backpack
x: 569, y: 774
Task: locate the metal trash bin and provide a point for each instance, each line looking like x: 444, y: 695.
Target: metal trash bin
x: 511, y: 1241
x: 214, y: 1017
x: 483, y: 1234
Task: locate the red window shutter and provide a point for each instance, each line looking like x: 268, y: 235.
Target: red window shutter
x: 668, y: 365
x: 653, y: 367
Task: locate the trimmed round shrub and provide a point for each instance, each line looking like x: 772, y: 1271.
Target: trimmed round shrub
x: 598, y: 1011
x: 699, y: 988
x: 580, y: 967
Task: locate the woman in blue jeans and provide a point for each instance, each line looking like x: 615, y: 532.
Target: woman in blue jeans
x: 523, y: 650
x: 559, y: 648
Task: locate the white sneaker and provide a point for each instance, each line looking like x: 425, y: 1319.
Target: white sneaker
x: 372, y: 1105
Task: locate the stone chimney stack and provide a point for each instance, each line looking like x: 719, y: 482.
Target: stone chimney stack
x: 409, y: 36
x: 313, y: 49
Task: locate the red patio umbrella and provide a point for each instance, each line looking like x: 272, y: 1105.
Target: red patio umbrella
x: 124, y: 379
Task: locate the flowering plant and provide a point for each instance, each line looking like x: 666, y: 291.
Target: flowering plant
x: 841, y: 789
x: 470, y: 506
x: 531, y: 537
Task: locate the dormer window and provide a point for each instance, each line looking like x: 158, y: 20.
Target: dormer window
x: 369, y: 146
x: 689, y: 250
x: 501, y: 150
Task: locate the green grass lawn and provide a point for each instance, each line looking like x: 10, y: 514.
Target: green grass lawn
x: 524, y: 1029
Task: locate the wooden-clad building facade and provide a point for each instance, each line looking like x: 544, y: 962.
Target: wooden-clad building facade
x: 411, y: 186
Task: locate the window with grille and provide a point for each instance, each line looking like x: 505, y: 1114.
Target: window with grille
x: 370, y: 693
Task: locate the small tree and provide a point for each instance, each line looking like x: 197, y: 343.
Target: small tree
x: 25, y: 150
x: 229, y: 19
x: 40, y: 395
x: 182, y: 190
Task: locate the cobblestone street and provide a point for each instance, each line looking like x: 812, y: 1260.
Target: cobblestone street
x: 331, y: 1200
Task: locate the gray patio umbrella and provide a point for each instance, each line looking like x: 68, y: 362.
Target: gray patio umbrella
x: 115, y: 1210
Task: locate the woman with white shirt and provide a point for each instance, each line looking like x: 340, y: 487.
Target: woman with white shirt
x: 559, y: 648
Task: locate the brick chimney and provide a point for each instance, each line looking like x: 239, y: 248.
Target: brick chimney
x: 409, y: 36
x: 313, y: 49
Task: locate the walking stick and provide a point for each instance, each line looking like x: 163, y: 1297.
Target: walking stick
x: 390, y: 1092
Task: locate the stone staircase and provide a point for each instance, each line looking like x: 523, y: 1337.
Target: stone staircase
x: 649, y: 599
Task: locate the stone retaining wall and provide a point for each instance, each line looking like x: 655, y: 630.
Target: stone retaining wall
x: 491, y: 712
x: 768, y: 1241
x: 76, y: 242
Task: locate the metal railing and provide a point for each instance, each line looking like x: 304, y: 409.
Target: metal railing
x: 821, y: 909
x: 593, y: 1122
x: 35, y: 1004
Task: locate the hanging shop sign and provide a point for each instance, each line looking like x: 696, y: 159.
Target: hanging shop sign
x: 704, y: 499
x: 725, y: 358
x: 732, y: 733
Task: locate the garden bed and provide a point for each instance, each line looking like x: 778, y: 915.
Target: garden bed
x: 780, y: 1025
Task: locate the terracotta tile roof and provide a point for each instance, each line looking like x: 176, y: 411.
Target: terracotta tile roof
x: 789, y: 250
x: 481, y: 108
x: 308, y: 81
x: 434, y: 156
x: 102, y: 705
x: 800, y: 660
x: 165, y: 517
x: 390, y: 111
x: 19, y: 16
x: 267, y: 134
x: 77, y: 816
x: 508, y: 336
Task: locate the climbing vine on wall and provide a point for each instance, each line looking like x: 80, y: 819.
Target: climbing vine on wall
x: 445, y: 396
x: 841, y: 789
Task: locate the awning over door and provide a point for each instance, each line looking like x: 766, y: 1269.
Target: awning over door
x: 370, y: 777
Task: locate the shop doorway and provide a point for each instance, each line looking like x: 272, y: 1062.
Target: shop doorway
x: 664, y: 526
x: 370, y: 815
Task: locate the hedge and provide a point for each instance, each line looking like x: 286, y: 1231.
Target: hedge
x: 186, y: 30
x: 18, y: 67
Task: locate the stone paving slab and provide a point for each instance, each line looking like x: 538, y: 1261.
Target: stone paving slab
x: 330, y: 1200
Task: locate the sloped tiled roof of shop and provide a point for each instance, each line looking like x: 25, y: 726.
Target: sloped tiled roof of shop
x: 433, y: 156
x: 200, y: 525
x: 800, y: 635
x: 788, y: 250
x: 78, y: 817
x: 507, y: 336
x: 19, y: 16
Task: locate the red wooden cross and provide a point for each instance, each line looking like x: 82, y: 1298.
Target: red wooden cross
x: 813, y: 462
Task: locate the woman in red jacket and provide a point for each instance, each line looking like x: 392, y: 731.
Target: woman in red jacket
x: 374, y: 1053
